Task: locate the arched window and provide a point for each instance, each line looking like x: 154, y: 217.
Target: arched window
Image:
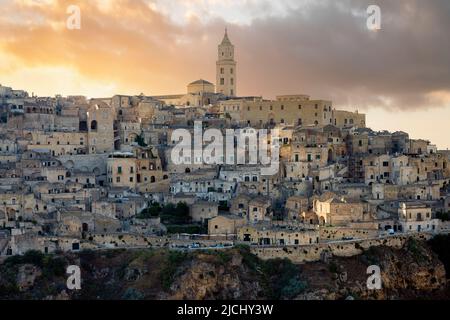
x: 94, y: 125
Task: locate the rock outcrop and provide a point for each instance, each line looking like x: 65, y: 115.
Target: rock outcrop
x: 412, y: 272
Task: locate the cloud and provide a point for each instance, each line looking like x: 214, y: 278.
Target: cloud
x: 321, y: 48
x: 328, y: 52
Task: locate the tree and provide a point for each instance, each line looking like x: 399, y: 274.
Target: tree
x: 140, y: 141
x: 444, y: 216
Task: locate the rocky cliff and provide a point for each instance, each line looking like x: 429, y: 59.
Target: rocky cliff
x: 412, y: 272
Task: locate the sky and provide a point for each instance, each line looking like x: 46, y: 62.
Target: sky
x: 399, y: 75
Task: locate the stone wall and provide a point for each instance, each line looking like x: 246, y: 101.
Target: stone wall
x: 125, y: 240
x: 121, y: 240
x: 444, y: 226
x: 310, y: 253
x: 336, y: 233
x: 86, y: 163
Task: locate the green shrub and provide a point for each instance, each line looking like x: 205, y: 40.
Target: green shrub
x: 414, y: 247
x: 189, y: 229
x: 54, y: 267
x: 224, y: 257
x: 173, y: 261
x: 281, y: 279
x: 333, y: 267
x: 132, y: 294
x: 140, y: 141
x: 248, y: 259
x: 30, y: 257
x: 293, y: 288
x: 444, y: 216
x: 440, y: 244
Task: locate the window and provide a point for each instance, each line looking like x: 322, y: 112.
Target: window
x: 221, y: 70
x: 119, y: 170
x: 232, y: 81
x: 222, y: 81
x: 231, y: 70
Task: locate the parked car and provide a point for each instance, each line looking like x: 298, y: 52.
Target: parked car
x: 195, y: 246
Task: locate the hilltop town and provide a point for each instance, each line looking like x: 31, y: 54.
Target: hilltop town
x: 78, y: 173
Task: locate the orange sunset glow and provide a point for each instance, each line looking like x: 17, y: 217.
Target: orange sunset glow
x: 157, y: 47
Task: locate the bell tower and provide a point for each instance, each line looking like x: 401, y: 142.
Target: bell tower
x: 226, y: 68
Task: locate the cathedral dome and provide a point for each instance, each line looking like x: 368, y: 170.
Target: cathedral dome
x: 200, y: 86
x: 201, y: 82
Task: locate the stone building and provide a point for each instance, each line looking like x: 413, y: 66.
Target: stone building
x: 294, y: 110
x: 226, y: 73
x: 225, y: 224
x: 100, y: 119
x: 272, y: 235
x: 332, y: 209
x: 415, y: 216
x: 296, y: 206
x: 202, y: 211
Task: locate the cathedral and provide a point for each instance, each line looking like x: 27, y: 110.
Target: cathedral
x: 202, y: 92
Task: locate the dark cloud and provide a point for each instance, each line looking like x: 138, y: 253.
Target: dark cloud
x: 327, y: 51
